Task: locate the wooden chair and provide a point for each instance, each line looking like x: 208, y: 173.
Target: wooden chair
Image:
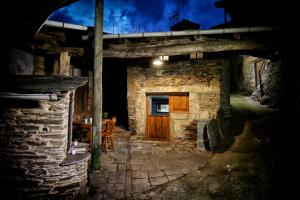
x: 108, y: 136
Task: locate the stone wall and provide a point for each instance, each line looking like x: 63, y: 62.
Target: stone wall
x: 248, y: 75
x: 269, y: 79
x: 201, y: 79
x: 33, y: 143
x: 272, y: 82
x: 20, y: 62
x: 225, y: 89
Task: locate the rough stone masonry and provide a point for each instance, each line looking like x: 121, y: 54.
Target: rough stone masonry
x: 201, y: 79
x: 33, y: 143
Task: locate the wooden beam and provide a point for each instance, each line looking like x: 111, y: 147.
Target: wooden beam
x: 145, y: 50
x: 51, y: 36
x: 64, y: 64
x: 40, y: 83
x: 72, y: 51
x: 153, y: 43
x: 97, y: 100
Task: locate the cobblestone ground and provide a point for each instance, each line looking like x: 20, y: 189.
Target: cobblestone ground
x: 137, y: 167
x: 249, y: 169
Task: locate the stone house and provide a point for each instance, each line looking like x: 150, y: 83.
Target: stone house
x: 183, y: 99
x: 190, y: 91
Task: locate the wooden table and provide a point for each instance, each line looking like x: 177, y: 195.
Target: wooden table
x: 89, y: 127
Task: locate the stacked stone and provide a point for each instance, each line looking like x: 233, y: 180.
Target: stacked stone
x: 33, y: 142
x: 200, y: 79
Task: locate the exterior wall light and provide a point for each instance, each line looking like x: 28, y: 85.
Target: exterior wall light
x: 157, y: 62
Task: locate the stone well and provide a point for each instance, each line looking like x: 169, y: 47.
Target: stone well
x: 34, y: 159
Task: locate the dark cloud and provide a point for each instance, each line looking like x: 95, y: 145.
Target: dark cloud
x: 81, y: 12
x: 126, y: 16
x: 62, y: 15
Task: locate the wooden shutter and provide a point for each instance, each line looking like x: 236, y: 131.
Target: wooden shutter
x: 179, y: 103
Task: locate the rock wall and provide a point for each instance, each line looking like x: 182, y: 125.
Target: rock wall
x: 225, y: 89
x: 201, y: 79
x: 272, y: 82
x: 20, y: 62
x: 248, y: 85
x: 267, y: 85
x: 33, y: 143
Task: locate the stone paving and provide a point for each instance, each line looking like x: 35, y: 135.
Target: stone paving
x: 138, y: 166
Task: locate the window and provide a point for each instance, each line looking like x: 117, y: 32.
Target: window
x: 159, y: 105
x: 165, y: 102
x: 163, y: 108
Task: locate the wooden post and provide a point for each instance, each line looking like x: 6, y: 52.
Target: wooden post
x: 64, y: 63
x: 97, y: 100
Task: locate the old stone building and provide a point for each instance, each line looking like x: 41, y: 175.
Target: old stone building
x: 194, y: 85
x: 47, y: 82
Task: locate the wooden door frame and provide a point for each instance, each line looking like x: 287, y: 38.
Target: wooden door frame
x: 148, y: 113
x: 177, y: 110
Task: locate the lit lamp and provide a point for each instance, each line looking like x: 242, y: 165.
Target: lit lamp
x: 159, y: 61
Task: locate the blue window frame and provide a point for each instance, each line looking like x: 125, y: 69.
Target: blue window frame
x: 159, y: 105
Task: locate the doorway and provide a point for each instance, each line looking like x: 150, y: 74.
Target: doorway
x: 158, y: 118
x: 158, y: 109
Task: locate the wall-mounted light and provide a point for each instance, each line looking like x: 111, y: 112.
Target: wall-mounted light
x: 157, y: 62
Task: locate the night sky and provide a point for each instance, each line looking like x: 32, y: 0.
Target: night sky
x: 128, y: 16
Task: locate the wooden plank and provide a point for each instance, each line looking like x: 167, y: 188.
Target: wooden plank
x: 184, y: 103
x: 158, y: 127
x: 206, y: 46
x: 72, y: 51
x: 172, y: 103
x: 166, y: 127
x: 153, y: 43
x: 148, y: 105
x: 151, y: 126
x: 64, y: 64
x: 147, y: 114
x: 179, y: 103
x: 167, y: 94
x: 53, y: 36
x: 40, y: 83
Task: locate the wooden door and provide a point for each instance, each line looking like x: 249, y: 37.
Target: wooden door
x: 158, y: 126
